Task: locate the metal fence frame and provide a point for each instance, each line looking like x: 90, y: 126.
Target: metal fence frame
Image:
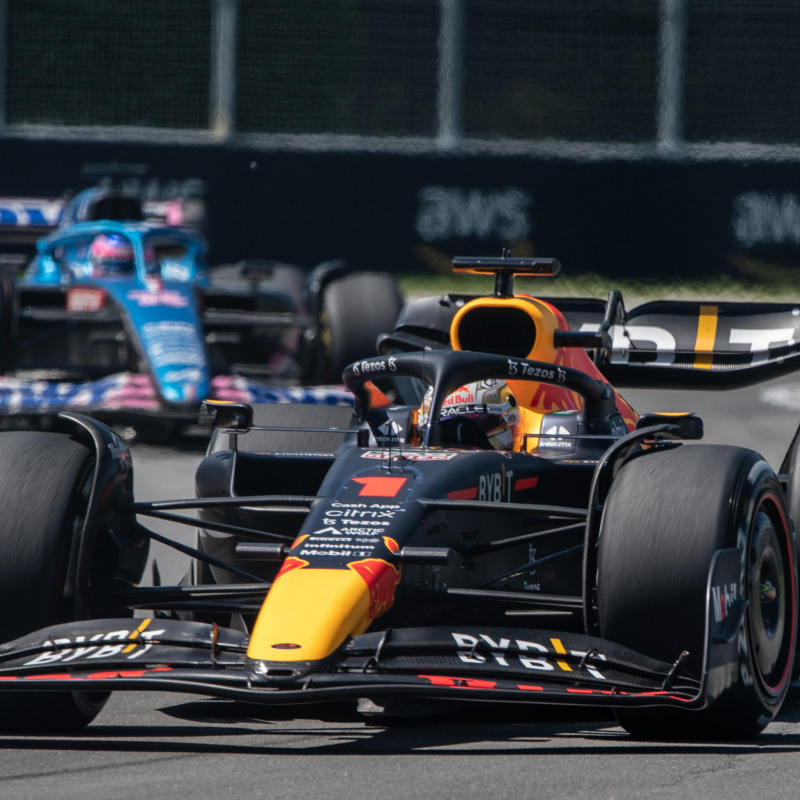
x: 669, y: 142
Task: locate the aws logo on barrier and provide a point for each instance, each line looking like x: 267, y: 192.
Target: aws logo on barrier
x: 764, y: 218
x: 448, y: 212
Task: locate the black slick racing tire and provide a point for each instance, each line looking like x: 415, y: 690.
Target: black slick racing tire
x: 791, y: 467
x: 666, y: 515
x: 44, y: 486
x: 8, y: 324
x: 356, y: 309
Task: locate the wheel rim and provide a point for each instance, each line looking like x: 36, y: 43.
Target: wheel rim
x: 771, y: 611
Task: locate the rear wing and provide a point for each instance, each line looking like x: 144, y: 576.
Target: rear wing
x: 690, y: 344
x: 23, y: 220
x: 670, y: 344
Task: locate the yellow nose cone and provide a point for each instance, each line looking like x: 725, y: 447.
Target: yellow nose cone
x: 308, y: 613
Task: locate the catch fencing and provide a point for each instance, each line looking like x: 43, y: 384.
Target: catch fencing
x: 652, y: 138
x: 657, y: 75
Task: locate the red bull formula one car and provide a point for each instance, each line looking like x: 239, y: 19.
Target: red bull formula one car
x: 491, y: 522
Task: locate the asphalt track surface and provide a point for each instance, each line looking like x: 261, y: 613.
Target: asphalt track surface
x: 164, y: 746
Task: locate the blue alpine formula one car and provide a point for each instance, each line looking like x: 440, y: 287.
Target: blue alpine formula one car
x: 124, y: 315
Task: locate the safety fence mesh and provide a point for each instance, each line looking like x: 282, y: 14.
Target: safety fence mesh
x: 535, y: 70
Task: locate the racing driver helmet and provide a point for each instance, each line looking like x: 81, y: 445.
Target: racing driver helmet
x: 480, y: 414
x: 111, y: 254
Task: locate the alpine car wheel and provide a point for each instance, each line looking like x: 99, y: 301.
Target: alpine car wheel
x: 356, y: 309
x: 8, y: 324
x: 44, y: 487
x: 668, y: 516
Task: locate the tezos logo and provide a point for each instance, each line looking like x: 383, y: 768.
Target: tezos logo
x: 375, y: 366
x: 527, y: 370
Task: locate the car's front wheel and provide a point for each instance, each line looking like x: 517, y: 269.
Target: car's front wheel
x: 44, y: 490
x: 667, y: 515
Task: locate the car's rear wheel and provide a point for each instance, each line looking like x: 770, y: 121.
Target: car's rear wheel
x: 44, y: 490
x: 667, y: 514
x: 8, y: 324
x: 356, y: 309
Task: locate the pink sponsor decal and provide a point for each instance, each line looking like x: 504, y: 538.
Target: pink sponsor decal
x: 162, y: 297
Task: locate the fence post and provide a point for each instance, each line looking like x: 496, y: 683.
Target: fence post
x: 223, y: 68
x: 671, y: 72
x: 451, y: 72
x: 3, y: 65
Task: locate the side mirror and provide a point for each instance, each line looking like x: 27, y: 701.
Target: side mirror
x: 688, y: 425
x: 222, y: 414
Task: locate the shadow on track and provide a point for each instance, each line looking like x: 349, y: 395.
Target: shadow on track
x: 334, y: 730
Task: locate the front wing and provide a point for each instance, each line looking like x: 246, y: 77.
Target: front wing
x: 501, y: 664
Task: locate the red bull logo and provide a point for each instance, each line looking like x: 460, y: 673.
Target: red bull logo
x: 462, y: 395
x: 381, y: 578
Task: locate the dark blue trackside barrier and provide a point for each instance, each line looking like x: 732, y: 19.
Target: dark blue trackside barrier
x: 654, y: 218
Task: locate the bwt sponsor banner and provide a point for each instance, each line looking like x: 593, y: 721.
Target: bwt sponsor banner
x: 407, y: 213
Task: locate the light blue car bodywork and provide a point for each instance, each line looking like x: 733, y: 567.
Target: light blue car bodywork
x: 162, y: 311
x: 158, y: 301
